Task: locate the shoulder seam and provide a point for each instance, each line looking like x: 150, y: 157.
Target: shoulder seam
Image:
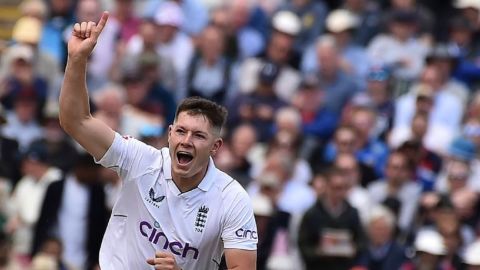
x: 231, y: 181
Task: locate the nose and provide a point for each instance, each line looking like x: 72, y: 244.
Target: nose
x: 187, y: 139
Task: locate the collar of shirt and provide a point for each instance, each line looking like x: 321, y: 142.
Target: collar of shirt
x: 207, y: 180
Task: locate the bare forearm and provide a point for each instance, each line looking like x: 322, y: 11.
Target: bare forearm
x: 75, y: 118
x: 74, y: 104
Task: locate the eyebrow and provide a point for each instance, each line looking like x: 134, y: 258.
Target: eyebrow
x: 194, y: 131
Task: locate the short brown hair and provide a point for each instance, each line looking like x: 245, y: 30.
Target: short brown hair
x: 215, y: 113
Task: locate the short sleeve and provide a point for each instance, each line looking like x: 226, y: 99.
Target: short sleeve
x: 130, y: 157
x: 240, y: 230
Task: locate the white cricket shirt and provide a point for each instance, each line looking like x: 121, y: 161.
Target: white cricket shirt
x: 153, y: 215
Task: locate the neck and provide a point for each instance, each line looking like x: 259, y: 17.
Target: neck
x: 185, y: 184
x: 40, y: 173
x: 211, y: 61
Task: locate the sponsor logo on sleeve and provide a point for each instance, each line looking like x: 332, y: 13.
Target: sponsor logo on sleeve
x: 246, y: 234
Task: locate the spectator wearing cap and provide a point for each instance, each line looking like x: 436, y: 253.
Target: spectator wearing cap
x: 445, y: 110
x: 398, y: 191
x: 23, y: 79
x: 31, y: 188
x: 339, y: 86
x: 341, y: 24
x: 286, y: 26
x: 429, y: 249
x: 154, y: 135
x: 210, y: 73
x: 27, y: 32
x: 51, y: 40
x: 74, y: 210
x: 425, y: 17
x: 446, y: 58
x: 461, y: 150
x: 400, y: 49
x: 369, y: 18
x: 470, y: 9
x: 471, y: 256
x: 318, y: 122
x: 195, y: 11
x: 377, y: 96
x: 170, y: 42
x: 445, y: 218
x: 312, y: 14
x: 258, y: 107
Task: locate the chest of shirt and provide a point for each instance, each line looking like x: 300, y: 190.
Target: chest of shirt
x: 183, y: 224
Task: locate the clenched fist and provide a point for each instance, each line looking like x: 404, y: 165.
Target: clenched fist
x: 163, y: 261
x: 84, y: 37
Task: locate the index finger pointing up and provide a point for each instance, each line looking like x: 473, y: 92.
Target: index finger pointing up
x: 101, y: 24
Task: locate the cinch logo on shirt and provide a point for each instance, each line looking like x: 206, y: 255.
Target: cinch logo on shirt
x: 154, y: 236
x: 242, y: 233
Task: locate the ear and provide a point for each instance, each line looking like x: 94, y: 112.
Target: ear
x: 216, y: 145
x: 170, y: 127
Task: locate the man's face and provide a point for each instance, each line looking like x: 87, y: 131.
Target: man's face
x: 166, y: 33
x: 338, y: 188
x: 396, y: 170
x: 279, y: 47
x: 379, y: 232
x: 192, y: 140
x: 345, y: 141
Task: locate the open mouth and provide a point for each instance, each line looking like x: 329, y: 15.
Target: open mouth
x: 184, y: 157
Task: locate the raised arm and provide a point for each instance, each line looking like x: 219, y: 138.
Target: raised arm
x: 75, y: 118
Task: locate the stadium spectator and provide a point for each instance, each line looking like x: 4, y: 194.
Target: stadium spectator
x: 38, y: 175
x: 329, y: 233
x: 383, y: 252
x: 397, y: 191
x: 210, y: 71
x: 74, y: 210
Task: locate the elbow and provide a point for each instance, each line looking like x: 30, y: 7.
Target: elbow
x: 69, y: 124
x: 64, y: 123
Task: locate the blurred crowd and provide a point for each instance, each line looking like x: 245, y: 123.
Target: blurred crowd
x: 354, y: 125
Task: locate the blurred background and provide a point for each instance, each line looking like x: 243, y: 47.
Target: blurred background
x: 354, y: 125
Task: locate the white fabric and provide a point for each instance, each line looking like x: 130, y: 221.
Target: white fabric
x: 408, y: 195
x: 179, y: 50
x: 72, y: 222
x: 387, y: 50
x: 285, y: 86
x: 24, y: 133
x: 359, y: 198
x: 152, y: 215
x: 26, y: 202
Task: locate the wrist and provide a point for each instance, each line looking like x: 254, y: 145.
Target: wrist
x: 76, y: 58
